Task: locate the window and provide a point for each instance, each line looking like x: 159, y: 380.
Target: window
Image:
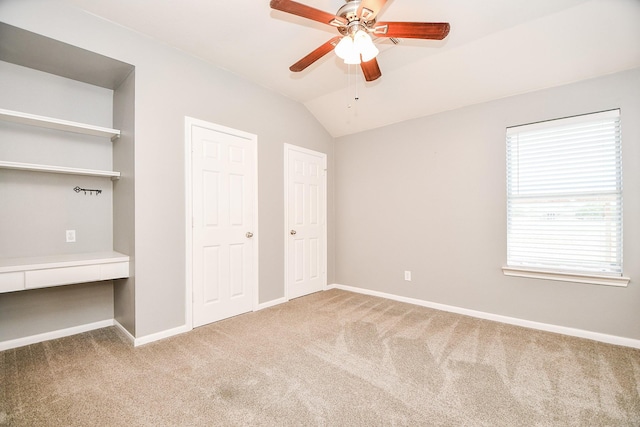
x: 564, y: 196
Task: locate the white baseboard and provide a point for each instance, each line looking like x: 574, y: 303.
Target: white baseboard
x: 595, y: 336
x: 126, y: 333
x: 60, y: 333
x: 270, y: 303
x: 185, y: 328
x: 161, y: 335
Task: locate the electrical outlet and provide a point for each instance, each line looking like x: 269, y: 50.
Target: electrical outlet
x: 407, y: 276
x: 71, y: 236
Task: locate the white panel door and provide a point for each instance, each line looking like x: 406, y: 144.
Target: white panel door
x: 223, y: 180
x: 305, y: 176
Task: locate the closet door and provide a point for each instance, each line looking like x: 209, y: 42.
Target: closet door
x: 224, y: 261
x: 306, y: 207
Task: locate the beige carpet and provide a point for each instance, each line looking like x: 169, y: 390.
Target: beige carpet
x: 330, y: 359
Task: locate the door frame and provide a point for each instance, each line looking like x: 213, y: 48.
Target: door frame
x: 188, y: 168
x: 287, y: 149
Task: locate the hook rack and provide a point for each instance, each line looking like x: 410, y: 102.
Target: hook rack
x: 78, y: 189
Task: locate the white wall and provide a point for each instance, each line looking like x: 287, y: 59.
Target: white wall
x: 28, y: 313
x: 171, y: 85
x: 37, y: 208
x: 429, y: 195
x: 124, y: 201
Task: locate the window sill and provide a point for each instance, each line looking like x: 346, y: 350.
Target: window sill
x: 591, y: 279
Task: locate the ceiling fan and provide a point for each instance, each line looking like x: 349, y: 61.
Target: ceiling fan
x: 356, y: 21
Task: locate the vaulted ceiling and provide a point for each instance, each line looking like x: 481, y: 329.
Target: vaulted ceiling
x: 496, y: 48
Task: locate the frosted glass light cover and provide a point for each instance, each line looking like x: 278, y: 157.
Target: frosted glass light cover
x: 364, y: 45
x: 344, y: 48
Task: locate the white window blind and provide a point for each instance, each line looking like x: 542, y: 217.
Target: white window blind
x: 564, y: 195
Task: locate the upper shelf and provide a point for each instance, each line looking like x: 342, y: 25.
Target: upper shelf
x: 58, y: 169
x: 58, y: 124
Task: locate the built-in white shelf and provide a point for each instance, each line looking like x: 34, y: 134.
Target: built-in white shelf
x: 19, y: 274
x: 58, y: 124
x: 58, y: 169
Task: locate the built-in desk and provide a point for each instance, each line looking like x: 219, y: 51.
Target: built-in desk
x: 19, y: 274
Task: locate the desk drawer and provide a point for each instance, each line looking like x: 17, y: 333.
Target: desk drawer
x: 114, y: 270
x: 13, y: 281
x: 62, y: 276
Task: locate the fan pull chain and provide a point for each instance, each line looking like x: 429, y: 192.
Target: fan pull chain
x: 349, y: 86
x: 355, y: 85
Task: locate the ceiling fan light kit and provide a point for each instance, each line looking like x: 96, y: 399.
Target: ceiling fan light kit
x: 356, y: 21
x: 352, y: 49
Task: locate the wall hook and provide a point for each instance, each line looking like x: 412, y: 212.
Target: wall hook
x: 85, y: 190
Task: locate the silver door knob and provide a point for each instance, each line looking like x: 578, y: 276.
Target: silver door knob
x: 249, y: 234
x: 292, y: 232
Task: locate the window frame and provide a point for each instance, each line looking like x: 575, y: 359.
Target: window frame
x: 548, y: 272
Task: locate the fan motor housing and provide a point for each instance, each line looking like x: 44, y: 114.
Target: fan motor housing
x: 349, y: 11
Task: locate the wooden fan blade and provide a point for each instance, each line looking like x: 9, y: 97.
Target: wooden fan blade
x: 412, y: 30
x: 371, y: 70
x: 315, y: 55
x: 308, y: 12
x: 369, y: 9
